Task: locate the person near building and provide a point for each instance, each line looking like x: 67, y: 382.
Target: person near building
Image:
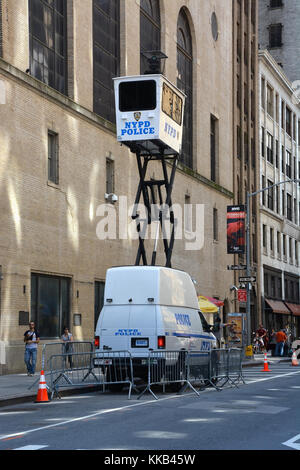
x: 280, y: 341
x: 263, y: 336
x: 218, y: 329
x: 67, y: 339
x: 31, y: 340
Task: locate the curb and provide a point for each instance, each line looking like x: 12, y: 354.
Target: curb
x: 62, y: 393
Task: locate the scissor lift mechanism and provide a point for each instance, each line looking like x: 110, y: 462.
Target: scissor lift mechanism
x: 160, y: 200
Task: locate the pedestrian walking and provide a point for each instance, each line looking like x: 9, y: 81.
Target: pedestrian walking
x: 280, y: 341
x: 67, y: 339
x: 31, y: 340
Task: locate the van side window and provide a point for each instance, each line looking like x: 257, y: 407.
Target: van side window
x: 206, y: 327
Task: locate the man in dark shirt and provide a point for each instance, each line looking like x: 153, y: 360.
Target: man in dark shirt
x: 31, y: 340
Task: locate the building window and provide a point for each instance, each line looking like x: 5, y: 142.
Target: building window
x: 283, y: 201
x: 275, y: 35
x: 288, y: 165
x: 99, y: 300
x: 213, y: 148
x: 270, y: 196
x: 110, y: 176
x: 48, y: 42
x: 269, y: 148
x: 288, y: 121
x: 277, y: 154
x: 53, y: 157
x: 215, y: 225
x: 50, y: 304
x: 185, y: 83
x: 276, y: 3
x: 270, y: 104
x: 289, y: 212
x: 149, y: 30
x: 264, y: 233
x: 278, y: 243
x: 106, y: 51
x: 284, y: 245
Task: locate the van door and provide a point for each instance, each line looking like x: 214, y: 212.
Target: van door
x: 143, y: 329
x: 114, y: 328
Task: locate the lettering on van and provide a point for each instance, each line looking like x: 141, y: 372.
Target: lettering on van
x: 205, y: 345
x: 128, y: 332
x: 182, y: 319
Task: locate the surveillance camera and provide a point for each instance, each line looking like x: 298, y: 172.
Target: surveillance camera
x: 232, y: 288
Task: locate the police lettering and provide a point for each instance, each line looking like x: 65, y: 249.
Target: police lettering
x: 170, y: 130
x: 137, y: 128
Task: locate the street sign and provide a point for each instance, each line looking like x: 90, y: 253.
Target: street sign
x: 247, y: 279
x: 237, y: 267
x: 242, y: 295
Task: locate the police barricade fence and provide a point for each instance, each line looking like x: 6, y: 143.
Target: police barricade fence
x: 59, y: 348
x: 180, y: 369
x: 185, y: 369
x: 112, y: 368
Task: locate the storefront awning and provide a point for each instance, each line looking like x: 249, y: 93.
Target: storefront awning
x: 294, y: 308
x: 278, y: 306
x: 206, y: 306
x: 217, y: 302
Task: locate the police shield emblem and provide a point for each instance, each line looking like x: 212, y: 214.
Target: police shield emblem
x: 137, y: 116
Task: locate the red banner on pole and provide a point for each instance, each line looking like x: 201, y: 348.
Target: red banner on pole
x: 242, y: 295
x: 236, y: 229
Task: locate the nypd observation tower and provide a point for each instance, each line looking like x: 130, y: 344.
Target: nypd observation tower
x: 149, y: 120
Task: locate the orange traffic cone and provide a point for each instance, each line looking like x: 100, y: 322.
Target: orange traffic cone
x: 294, y: 359
x: 42, y: 396
x: 266, y: 365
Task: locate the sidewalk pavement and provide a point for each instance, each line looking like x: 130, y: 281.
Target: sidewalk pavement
x: 19, y: 388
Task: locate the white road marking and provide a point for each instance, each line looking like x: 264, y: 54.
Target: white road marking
x: 292, y: 442
x: 112, y: 410
x: 32, y: 447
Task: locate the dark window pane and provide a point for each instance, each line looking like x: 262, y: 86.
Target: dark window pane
x: 48, y: 42
x: 137, y: 96
x: 106, y: 34
x: 149, y: 30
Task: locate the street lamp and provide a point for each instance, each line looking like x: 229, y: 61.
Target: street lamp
x: 249, y: 195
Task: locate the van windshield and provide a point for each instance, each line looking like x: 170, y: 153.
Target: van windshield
x: 206, y: 327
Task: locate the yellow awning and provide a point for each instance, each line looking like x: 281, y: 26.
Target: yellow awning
x: 206, y: 306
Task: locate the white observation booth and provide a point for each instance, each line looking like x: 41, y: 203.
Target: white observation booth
x: 149, y: 114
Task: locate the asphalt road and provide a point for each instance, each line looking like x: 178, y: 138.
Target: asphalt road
x: 263, y: 414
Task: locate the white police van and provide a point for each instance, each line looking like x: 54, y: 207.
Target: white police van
x: 151, y: 308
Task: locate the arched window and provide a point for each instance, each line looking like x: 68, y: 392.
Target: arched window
x: 149, y: 29
x: 185, y: 83
x: 106, y: 38
x: 48, y: 42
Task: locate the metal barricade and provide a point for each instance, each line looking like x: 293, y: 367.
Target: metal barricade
x: 219, y: 367
x: 58, y: 348
x: 199, y: 368
x: 165, y: 368
x: 113, y: 368
x: 235, y: 371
